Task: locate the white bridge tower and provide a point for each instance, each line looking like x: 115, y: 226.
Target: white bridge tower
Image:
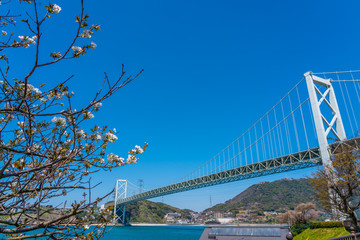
x: 335, y: 125
x: 120, y: 193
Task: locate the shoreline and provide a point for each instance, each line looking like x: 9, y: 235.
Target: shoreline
x: 199, y: 225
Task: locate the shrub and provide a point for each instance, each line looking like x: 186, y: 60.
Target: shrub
x: 299, y: 228
x: 330, y: 224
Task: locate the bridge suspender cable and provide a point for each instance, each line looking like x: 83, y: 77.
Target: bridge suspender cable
x: 346, y: 107
x: 303, y: 121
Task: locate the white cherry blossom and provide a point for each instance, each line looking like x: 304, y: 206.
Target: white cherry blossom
x: 56, y: 8
x: 93, y: 45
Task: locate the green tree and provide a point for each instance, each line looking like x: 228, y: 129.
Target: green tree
x: 337, y: 187
x: 46, y: 147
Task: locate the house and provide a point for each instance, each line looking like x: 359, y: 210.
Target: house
x: 271, y: 213
x: 172, y: 217
x: 218, y: 214
x: 243, y: 215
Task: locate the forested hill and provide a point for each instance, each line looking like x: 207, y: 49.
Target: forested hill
x: 151, y: 212
x: 270, y: 196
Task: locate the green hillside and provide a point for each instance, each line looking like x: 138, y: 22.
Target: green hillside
x: 321, y: 233
x: 152, y: 212
x: 279, y: 195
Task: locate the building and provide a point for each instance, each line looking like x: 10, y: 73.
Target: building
x: 172, y: 217
x: 218, y: 214
x: 271, y: 213
x: 225, y: 220
x: 243, y: 215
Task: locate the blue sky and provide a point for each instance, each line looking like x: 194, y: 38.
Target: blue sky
x: 211, y: 69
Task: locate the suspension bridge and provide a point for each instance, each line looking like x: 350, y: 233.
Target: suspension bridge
x: 303, y: 129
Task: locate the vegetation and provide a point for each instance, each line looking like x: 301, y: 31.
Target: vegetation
x: 303, y: 213
x: 337, y: 186
x: 257, y: 198
x: 278, y: 196
x: 152, y: 212
x: 47, y: 147
x: 299, y: 228
x: 321, y: 233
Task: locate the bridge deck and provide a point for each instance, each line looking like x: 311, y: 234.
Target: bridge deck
x: 304, y: 159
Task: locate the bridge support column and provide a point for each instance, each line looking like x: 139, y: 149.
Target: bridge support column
x: 119, y: 209
x: 335, y: 125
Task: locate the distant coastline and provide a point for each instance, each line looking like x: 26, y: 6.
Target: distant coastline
x: 200, y: 225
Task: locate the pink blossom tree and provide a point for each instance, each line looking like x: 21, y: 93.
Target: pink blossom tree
x: 45, y: 150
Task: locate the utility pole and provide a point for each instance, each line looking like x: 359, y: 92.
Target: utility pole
x: 210, y: 201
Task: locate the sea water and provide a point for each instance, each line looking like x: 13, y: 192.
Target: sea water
x: 154, y: 233
x: 146, y: 233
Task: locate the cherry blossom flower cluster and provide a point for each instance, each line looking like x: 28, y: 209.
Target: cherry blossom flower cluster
x: 131, y: 159
x: 81, y: 133
x: 88, y: 115
x: 77, y: 49
x: 113, y: 158
x: 56, y: 8
x: 97, y: 106
x: 86, y: 34
x: 31, y: 88
x: 26, y: 41
x: 110, y: 137
x: 53, y: 8
x: 137, y: 150
x: 33, y: 148
x: 59, y: 121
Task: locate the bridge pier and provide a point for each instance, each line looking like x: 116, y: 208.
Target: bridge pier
x: 120, y: 215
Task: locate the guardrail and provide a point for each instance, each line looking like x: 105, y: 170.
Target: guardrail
x: 347, y: 237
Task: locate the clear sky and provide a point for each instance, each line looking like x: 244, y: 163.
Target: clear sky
x: 211, y: 68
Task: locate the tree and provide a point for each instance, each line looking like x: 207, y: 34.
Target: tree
x: 46, y: 147
x: 337, y: 187
x: 303, y: 213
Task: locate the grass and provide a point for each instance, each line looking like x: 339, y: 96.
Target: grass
x: 321, y: 233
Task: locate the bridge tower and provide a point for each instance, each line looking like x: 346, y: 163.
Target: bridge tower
x: 328, y: 99
x: 119, y: 209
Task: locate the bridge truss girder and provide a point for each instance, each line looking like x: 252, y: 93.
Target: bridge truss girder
x: 300, y: 160
x: 304, y: 159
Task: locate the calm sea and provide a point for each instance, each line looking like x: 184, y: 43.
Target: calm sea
x: 154, y: 233
x: 149, y: 233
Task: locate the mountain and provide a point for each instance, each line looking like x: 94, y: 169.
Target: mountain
x: 280, y: 195
x: 151, y: 212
